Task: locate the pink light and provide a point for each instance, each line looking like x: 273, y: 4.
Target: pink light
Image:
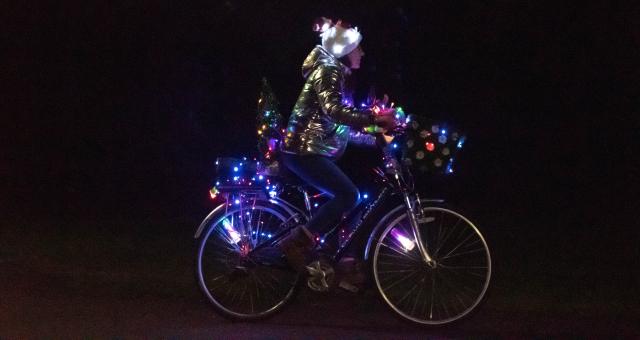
x: 407, y: 243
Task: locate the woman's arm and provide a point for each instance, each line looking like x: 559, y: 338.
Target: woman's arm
x: 327, y: 82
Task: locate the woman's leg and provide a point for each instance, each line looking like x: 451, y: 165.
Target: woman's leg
x: 326, y: 176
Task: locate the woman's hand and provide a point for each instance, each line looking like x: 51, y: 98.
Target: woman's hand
x: 386, y: 120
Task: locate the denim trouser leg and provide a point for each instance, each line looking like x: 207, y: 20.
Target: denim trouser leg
x: 323, y: 174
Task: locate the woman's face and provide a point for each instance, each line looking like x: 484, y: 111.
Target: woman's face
x: 355, y: 56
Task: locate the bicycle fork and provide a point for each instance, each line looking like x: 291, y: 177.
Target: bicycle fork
x: 422, y: 248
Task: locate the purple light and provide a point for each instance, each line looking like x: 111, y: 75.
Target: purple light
x: 407, y: 243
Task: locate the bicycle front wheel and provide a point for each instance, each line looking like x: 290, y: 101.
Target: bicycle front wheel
x: 239, y: 282
x: 443, y: 291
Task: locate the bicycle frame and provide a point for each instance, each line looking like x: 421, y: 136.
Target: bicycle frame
x: 366, y: 210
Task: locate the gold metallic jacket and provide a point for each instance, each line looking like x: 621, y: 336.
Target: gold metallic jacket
x: 320, y: 122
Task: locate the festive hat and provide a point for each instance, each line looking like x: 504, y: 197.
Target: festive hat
x: 338, y: 38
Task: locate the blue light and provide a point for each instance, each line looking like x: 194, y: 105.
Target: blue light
x: 235, y: 169
x: 365, y: 196
x: 237, y: 201
x: 217, y: 183
x: 315, y: 205
x: 321, y: 240
x: 395, y: 146
x: 266, y: 113
x: 235, y: 178
x: 262, y: 234
x: 240, y: 164
x: 272, y: 194
x: 269, y: 236
x: 260, y: 177
x: 460, y: 142
x: 444, y: 132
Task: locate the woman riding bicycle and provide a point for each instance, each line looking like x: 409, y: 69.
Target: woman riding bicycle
x: 319, y: 129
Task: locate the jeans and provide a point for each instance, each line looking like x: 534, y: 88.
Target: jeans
x: 323, y: 174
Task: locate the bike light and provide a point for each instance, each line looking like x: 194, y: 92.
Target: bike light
x: 406, y: 243
x: 235, y: 236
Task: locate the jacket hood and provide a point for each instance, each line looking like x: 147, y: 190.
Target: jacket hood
x: 320, y: 56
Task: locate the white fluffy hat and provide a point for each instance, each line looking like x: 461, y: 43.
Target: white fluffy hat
x: 337, y: 38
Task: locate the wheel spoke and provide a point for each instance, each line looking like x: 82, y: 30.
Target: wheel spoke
x: 235, y: 283
x: 445, y: 238
x: 441, y: 294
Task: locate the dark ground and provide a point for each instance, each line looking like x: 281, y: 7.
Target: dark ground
x: 114, y: 113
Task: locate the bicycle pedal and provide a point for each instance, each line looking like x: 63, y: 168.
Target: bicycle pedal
x: 321, y: 276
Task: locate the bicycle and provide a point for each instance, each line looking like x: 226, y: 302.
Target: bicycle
x: 430, y: 264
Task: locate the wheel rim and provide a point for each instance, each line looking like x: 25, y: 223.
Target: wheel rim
x: 231, y: 278
x: 437, y: 294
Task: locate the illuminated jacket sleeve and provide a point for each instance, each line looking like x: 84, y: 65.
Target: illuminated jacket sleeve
x: 361, y: 138
x: 327, y: 83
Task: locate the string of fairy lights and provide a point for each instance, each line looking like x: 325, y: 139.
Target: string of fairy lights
x: 424, y: 147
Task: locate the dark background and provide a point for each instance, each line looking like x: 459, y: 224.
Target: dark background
x: 116, y: 111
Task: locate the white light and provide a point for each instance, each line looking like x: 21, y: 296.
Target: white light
x: 235, y: 236
x: 237, y: 201
x: 272, y: 194
x: 365, y: 196
x: 260, y: 177
x: 315, y: 205
x: 235, y: 168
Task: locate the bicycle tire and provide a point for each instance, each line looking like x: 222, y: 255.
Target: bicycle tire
x: 434, y: 296
x: 233, y: 283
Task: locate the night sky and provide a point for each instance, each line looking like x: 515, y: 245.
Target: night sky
x: 119, y: 109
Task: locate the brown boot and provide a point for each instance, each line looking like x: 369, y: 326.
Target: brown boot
x: 297, y: 247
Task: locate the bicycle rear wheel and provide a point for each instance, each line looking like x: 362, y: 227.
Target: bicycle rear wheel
x: 432, y: 294
x: 241, y: 283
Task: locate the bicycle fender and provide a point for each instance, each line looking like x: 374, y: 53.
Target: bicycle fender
x: 286, y: 206
x: 376, y: 230
x: 208, y: 218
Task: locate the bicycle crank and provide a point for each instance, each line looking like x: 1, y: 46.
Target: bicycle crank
x: 321, y: 276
